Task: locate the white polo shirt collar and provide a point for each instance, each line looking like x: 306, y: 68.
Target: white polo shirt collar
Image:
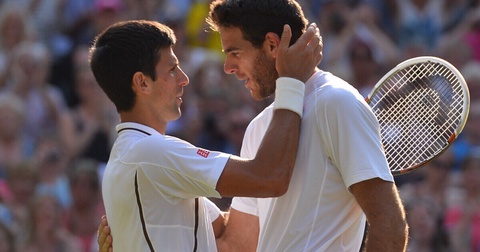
x: 137, y: 127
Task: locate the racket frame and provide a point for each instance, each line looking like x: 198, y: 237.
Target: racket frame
x: 466, y: 101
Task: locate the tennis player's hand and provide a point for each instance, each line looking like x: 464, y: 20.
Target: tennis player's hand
x: 300, y: 59
x: 104, y: 238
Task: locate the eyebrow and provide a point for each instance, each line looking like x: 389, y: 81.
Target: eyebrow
x: 228, y: 50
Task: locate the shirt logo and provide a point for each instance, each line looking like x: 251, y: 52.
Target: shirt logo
x: 203, y: 153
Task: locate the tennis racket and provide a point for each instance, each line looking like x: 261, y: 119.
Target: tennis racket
x: 422, y: 106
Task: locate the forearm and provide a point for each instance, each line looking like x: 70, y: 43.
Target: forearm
x: 387, y: 230
x: 269, y: 173
x: 219, y: 224
x: 387, y: 237
x: 277, y: 163
x: 278, y: 150
x: 241, y: 233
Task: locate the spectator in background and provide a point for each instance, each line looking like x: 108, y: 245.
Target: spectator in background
x: 91, y: 124
x: 52, y: 178
x: 470, y: 136
x: 354, y: 27
x: 76, y: 19
x: 82, y: 19
x: 418, y: 24
x: 471, y: 73
x: 436, y: 181
x: 7, y: 240
x: 467, y: 32
x: 15, y: 145
x: 332, y: 20
x: 15, y: 27
x: 45, y: 16
x: 87, y: 207
x: 463, y: 220
x: 22, y: 180
x: 145, y: 9
x: 458, y: 53
x: 3, y: 72
x: 384, y: 10
x: 45, y: 232
x: 106, y: 13
x: 365, y: 70
x: 427, y: 232
x: 45, y: 105
x: 235, y: 125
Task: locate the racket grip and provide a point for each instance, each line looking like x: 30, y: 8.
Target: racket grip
x: 289, y: 94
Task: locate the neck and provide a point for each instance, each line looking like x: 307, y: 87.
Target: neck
x: 155, y: 124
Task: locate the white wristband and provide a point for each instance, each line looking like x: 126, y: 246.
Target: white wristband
x: 289, y: 95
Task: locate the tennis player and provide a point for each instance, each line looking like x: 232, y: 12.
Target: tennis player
x: 341, y: 178
x: 154, y: 185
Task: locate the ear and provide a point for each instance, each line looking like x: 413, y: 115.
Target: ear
x: 271, y: 43
x: 140, y: 83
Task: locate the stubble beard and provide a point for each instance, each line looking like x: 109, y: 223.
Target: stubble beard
x: 265, y: 75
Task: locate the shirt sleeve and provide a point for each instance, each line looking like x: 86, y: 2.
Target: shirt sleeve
x: 179, y: 169
x: 351, y: 134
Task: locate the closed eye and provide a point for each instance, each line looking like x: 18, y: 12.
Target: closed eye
x: 232, y: 52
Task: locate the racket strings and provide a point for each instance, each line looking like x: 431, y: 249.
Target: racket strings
x: 427, y: 96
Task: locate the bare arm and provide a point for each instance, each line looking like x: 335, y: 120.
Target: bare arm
x: 240, y: 234
x: 219, y: 224
x: 387, y: 230
x: 269, y: 173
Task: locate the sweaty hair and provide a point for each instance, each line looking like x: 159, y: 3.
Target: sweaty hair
x: 256, y: 18
x: 122, y: 50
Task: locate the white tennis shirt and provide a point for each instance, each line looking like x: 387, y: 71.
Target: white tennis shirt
x: 339, y: 146
x: 149, y: 190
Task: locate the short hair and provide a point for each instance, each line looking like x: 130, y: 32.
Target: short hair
x: 122, y: 50
x: 256, y: 18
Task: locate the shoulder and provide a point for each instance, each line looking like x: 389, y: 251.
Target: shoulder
x: 337, y: 90
x: 335, y: 94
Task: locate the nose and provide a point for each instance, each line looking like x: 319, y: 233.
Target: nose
x: 229, y: 67
x: 183, y: 79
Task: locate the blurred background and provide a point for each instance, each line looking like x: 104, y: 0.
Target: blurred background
x: 57, y: 126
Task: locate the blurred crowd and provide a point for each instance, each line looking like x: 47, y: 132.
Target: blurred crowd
x: 57, y: 126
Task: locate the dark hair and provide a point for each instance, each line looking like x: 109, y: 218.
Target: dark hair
x: 122, y: 50
x: 256, y: 18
